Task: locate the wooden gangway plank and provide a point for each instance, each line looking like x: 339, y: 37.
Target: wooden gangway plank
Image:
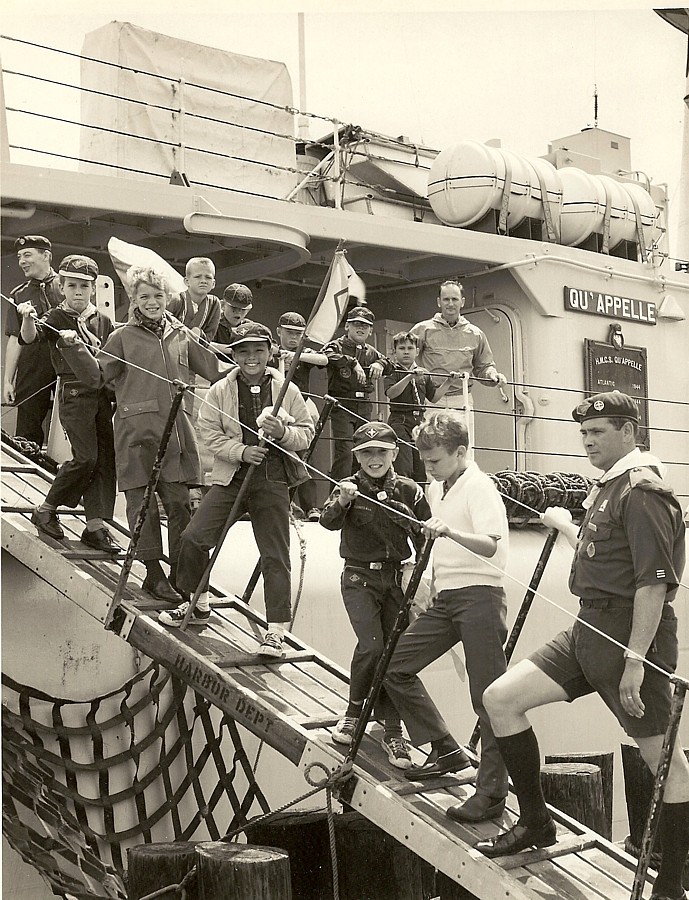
x: 293, y: 705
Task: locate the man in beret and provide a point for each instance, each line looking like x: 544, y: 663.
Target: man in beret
x: 628, y: 562
x: 29, y: 373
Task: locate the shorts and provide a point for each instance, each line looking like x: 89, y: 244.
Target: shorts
x: 582, y: 662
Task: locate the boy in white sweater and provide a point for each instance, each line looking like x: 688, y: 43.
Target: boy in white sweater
x: 470, y: 524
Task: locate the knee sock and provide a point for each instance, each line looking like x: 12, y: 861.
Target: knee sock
x: 674, y: 837
x: 522, y: 758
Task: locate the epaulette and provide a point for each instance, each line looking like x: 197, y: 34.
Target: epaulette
x: 647, y: 479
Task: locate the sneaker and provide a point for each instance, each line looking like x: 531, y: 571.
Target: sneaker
x: 175, y: 617
x: 271, y: 646
x: 313, y: 515
x: 46, y: 520
x: 397, y: 749
x: 100, y: 539
x: 344, y: 730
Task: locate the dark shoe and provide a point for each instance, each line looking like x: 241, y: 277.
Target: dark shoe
x: 454, y: 761
x: 175, y: 617
x: 518, y: 838
x: 101, y: 539
x: 161, y: 590
x: 479, y: 808
x: 681, y: 896
x: 46, y: 520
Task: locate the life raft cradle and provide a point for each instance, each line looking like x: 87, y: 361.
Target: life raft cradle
x: 294, y: 703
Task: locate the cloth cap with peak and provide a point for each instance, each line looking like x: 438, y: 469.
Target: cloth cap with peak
x: 361, y: 314
x: 251, y: 332
x: 607, y: 405
x: 79, y: 267
x: 374, y: 434
x: 238, y: 295
x: 292, y: 320
x: 32, y: 240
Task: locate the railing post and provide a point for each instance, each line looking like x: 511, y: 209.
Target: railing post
x: 659, y: 786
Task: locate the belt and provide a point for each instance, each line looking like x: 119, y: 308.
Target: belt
x: 607, y: 603
x: 375, y: 566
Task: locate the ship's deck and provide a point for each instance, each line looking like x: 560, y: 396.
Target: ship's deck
x: 293, y: 704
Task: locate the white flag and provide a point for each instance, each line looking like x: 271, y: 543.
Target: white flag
x: 124, y: 256
x: 332, y: 299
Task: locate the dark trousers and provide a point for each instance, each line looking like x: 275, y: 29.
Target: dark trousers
x: 175, y: 499
x: 306, y: 495
x: 343, y: 425
x: 86, y: 417
x: 408, y: 461
x: 373, y: 599
x: 34, y: 391
x: 267, y: 503
x: 476, y: 616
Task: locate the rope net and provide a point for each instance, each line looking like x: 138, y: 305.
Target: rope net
x: 83, y: 780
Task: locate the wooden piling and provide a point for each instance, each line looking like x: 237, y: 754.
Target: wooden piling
x: 605, y: 762
x: 242, y: 872
x: 577, y: 790
x: 155, y: 866
x: 371, y: 864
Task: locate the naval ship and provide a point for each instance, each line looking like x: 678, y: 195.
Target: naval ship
x: 118, y: 732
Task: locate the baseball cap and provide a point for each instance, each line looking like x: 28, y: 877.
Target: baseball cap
x: 238, y: 295
x: 292, y: 320
x: 361, y: 314
x: 606, y: 405
x: 32, y: 240
x: 374, y: 434
x: 79, y: 267
x: 251, y: 332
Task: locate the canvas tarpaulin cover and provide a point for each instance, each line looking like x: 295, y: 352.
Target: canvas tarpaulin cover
x: 183, y: 74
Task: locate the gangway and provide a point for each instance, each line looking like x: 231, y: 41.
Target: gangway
x: 294, y: 703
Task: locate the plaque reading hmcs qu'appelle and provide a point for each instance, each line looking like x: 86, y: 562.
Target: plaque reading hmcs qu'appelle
x: 611, y: 306
x: 624, y: 369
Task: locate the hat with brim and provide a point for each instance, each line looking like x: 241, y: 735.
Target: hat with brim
x: 374, y: 434
x: 293, y: 321
x: 76, y: 266
x: 361, y: 314
x: 251, y: 333
x: 238, y: 295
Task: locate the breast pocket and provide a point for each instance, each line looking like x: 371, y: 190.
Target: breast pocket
x: 594, y: 538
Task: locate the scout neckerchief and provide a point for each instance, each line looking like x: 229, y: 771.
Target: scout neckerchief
x: 633, y: 460
x: 81, y: 321
x: 383, y: 491
x: 157, y: 326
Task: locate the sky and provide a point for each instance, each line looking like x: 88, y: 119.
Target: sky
x: 503, y: 70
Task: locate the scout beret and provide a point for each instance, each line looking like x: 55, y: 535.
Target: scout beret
x: 607, y: 405
x: 251, y: 332
x: 374, y: 434
x: 238, y: 294
x: 361, y: 314
x: 32, y: 240
x: 292, y: 320
x: 79, y: 267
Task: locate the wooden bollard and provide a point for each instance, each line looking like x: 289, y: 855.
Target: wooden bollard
x: 242, y: 872
x: 605, y: 762
x: 155, y: 866
x: 577, y: 790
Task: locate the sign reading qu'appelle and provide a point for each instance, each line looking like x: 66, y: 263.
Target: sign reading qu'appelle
x: 610, y: 305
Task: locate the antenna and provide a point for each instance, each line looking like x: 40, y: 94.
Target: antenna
x: 595, y: 106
